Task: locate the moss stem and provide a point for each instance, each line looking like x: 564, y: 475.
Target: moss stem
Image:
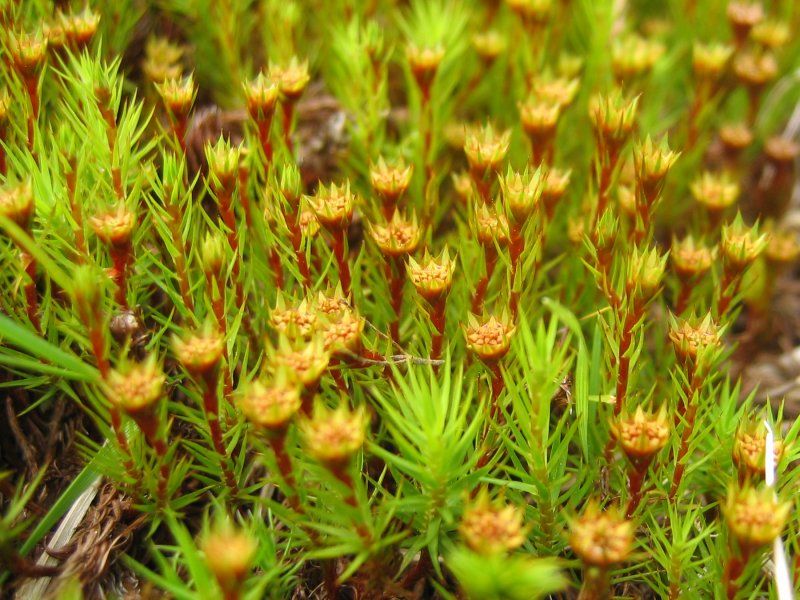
x: 211, y: 411
x: 340, y: 254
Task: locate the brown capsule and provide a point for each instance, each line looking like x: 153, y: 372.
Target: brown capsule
x: 489, y: 337
x: 390, y: 181
x: 694, y: 339
x: 433, y: 277
x: 749, y: 449
x: 424, y: 63
x: 741, y: 245
x: 489, y: 45
x: 17, y: 203
x: 178, y: 95
x: 690, y: 258
x: 735, y: 137
x: 782, y: 151
x: 755, y: 517
x: 80, y: 28
x: 270, y: 405
x: 486, y: 148
x: 342, y: 333
x: 28, y: 52
x: 333, y: 437
x: 333, y: 205
x: 783, y: 248
x: 229, y: 555
x: 743, y: 16
x: 755, y: 70
x: 399, y: 237
x: 137, y: 387
x: 642, y: 435
x: 293, y: 319
x: 292, y: 79
x: 200, y: 351
x: 492, y: 528
x: 114, y: 226
x: 715, y: 191
x: 162, y: 60
x: 601, y: 538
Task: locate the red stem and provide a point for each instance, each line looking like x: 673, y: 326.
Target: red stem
x: 342, y: 475
x: 490, y: 258
x: 148, y: 423
x: 604, y: 184
x: 175, y: 219
x: 388, y: 206
x: 635, y: 481
x: 122, y: 442
x: 3, y: 163
x: 734, y: 568
x: 244, y: 197
x: 680, y: 467
x: 229, y: 218
x: 497, y: 387
x: 483, y: 186
x: 31, y: 295
x: 340, y: 253
x: 728, y: 290
x: 264, y: 126
x: 419, y: 571
x: 288, y: 117
x: 683, y: 297
x: 231, y: 593
x: 277, y: 267
x: 116, y: 179
x: 336, y: 373
x: 179, y: 126
x: 218, y: 303
x: 541, y: 149
x: 516, y: 248
x: 639, y: 232
x: 371, y: 355
x: 437, y: 315
x: 111, y: 135
x: 596, y: 584
x: 31, y: 85
x: 694, y: 385
x: 340, y: 472
x: 75, y: 209
x: 211, y: 411
x: 278, y: 445
x: 121, y: 258
x: 296, y: 237
x: 622, y: 376
x: 624, y: 360
x: 98, y: 349
x: 426, y: 126
x: 307, y: 399
x: 396, y: 280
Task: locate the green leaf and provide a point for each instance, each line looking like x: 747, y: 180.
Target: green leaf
x: 15, y: 334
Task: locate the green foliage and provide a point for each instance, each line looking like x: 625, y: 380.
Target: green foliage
x: 504, y: 578
x: 428, y: 308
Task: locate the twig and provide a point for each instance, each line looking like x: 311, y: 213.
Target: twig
x: 398, y: 359
x: 19, y: 436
